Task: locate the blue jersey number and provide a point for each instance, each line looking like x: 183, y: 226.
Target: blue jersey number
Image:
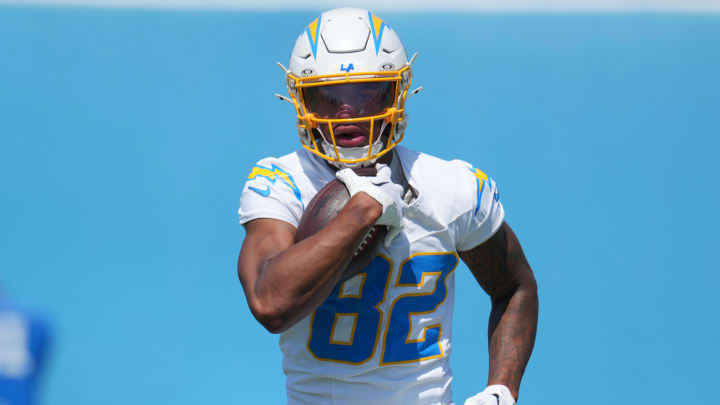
x: 361, y: 310
x: 399, y: 348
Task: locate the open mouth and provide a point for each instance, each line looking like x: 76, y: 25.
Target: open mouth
x: 350, y: 135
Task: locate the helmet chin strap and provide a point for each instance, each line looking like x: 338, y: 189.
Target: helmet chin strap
x: 352, y: 153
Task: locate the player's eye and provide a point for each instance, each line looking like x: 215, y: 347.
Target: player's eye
x: 366, y: 95
x: 363, y: 98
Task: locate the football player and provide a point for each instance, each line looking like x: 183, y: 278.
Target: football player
x: 382, y: 336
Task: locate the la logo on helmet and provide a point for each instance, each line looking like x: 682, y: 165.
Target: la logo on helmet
x: 346, y: 69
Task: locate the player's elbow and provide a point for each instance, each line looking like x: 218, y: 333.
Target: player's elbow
x: 273, y: 325
x: 525, y: 286
x: 527, y: 292
x: 529, y: 284
x: 268, y: 308
x: 272, y: 318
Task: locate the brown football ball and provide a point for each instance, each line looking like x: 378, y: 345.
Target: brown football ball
x: 326, y: 205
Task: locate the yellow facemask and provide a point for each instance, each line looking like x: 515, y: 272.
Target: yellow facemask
x: 392, y: 116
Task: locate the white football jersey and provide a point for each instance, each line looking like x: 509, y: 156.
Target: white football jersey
x: 383, y: 336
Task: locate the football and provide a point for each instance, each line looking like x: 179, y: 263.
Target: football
x: 326, y: 205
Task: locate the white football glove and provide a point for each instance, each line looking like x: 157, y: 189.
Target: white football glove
x: 492, y: 395
x: 384, y: 191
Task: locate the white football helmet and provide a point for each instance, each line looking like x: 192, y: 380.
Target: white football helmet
x: 349, y: 68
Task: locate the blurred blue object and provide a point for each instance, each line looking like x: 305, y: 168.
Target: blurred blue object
x: 126, y: 136
x: 23, y: 347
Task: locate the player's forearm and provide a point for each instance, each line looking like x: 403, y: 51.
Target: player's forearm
x: 512, y: 328
x: 297, y: 280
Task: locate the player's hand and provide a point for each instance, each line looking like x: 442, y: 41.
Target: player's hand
x: 492, y: 395
x: 384, y: 191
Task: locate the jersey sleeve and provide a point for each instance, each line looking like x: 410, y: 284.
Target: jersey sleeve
x: 483, y: 214
x: 271, y: 192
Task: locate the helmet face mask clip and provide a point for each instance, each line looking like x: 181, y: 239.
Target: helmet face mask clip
x: 347, y: 92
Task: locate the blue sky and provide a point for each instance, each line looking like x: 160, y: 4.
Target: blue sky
x: 126, y: 137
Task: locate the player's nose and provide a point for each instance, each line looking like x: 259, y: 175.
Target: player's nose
x: 345, y: 111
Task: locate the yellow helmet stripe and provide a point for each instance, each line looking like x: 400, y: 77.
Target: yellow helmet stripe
x: 377, y: 25
x: 313, y: 31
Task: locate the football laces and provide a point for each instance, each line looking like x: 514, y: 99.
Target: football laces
x: 365, y: 241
